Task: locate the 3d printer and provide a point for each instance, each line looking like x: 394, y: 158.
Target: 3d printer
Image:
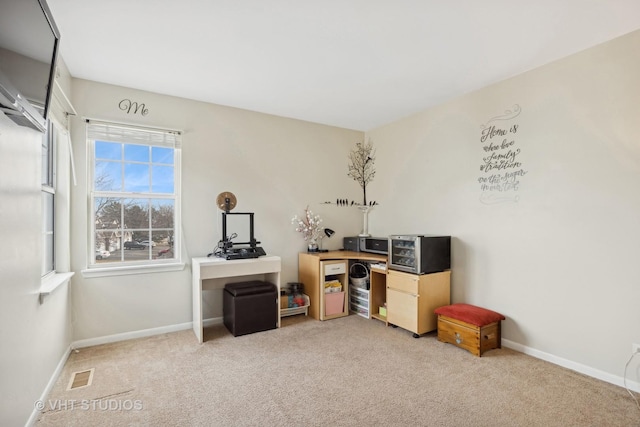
x: 238, y: 225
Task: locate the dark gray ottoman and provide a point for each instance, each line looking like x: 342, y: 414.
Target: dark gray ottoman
x: 250, y: 307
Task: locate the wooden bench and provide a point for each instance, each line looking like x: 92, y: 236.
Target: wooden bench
x: 472, y: 328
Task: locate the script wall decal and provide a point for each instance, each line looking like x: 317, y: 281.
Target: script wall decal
x: 132, y: 107
x: 501, y: 168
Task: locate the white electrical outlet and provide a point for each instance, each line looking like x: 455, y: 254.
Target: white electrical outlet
x: 635, y: 348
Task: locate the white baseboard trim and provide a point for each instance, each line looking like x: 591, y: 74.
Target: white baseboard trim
x: 212, y: 321
x: 107, y: 339
x: 574, y: 366
x: 45, y: 393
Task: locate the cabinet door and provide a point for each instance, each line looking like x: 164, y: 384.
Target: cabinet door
x: 402, y: 309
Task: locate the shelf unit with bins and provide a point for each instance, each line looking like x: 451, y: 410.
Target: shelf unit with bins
x: 359, y: 301
x: 291, y: 311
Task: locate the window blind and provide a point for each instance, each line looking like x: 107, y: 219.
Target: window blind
x: 116, y: 132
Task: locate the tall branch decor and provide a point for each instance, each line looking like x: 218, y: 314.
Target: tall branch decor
x: 361, y: 168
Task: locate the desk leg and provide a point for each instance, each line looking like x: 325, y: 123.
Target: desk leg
x: 274, y: 277
x: 197, y: 306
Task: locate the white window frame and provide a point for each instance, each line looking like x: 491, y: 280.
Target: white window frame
x: 60, y: 163
x: 139, y: 135
x: 49, y: 187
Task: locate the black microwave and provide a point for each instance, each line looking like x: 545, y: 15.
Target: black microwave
x: 419, y: 254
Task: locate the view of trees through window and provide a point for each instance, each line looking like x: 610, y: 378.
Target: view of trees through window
x: 134, y: 202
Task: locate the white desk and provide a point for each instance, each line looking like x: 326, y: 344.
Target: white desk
x: 217, y: 268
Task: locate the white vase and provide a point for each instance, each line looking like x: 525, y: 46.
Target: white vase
x: 365, y: 221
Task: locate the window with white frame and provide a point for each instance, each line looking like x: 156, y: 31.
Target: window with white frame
x: 134, y: 194
x: 48, y: 199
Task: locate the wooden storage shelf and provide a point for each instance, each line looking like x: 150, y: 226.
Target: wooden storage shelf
x: 379, y: 317
x: 378, y: 295
x: 311, y: 273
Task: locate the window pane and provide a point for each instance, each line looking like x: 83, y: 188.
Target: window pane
x: 162, y: 214
x: 47, y: 209
x: 162, y: 155
x: 107, y: 229
x: 164, y: 244
x: 162, y: 179
x: 108, y: 176
x: 136, y: 153
x: 108, y: 213
x: 136, y: 249
x: 136, y: 218
x: 47, y: 233
x: 47, y: 259
x: 162, y: 232
x: 47, y: 159
x: 136, y: 177
x: 105, y: 240
x: 108, y: 150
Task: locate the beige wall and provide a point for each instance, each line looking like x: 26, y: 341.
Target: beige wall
x: 561, y: 262
x: 275, y: 166
x: 35, y: 337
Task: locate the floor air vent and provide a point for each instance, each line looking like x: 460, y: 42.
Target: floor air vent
x: 80, y: 379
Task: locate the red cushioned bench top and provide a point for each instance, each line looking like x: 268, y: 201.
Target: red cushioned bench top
x: 470, y: 313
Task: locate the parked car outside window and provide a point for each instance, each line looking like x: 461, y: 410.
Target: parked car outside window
x: 100, y: 254
x: 134, y: 245
x: 148, y: 243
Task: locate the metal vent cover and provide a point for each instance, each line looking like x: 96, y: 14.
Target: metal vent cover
x: 80, y: 379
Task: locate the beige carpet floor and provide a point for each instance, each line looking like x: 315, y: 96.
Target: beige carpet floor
x: 344, y: 372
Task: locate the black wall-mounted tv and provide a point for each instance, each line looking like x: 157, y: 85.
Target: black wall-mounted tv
x: 29, y: 42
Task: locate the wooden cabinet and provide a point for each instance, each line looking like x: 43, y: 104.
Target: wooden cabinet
x: 412, y: 299
x: 312, y: 273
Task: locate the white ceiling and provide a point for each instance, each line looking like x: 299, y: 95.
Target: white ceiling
x: 356, y: 64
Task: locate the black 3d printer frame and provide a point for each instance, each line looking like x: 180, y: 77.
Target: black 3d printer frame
x: 227, y: 243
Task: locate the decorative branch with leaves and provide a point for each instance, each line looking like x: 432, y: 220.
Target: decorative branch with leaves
x: 361, y: 168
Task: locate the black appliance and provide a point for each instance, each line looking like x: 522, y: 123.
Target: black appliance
x: 351, y: 244
x: 419, y: 254
x: 376, y: 245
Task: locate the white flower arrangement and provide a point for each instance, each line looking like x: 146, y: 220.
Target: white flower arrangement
x: 310, y: 226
